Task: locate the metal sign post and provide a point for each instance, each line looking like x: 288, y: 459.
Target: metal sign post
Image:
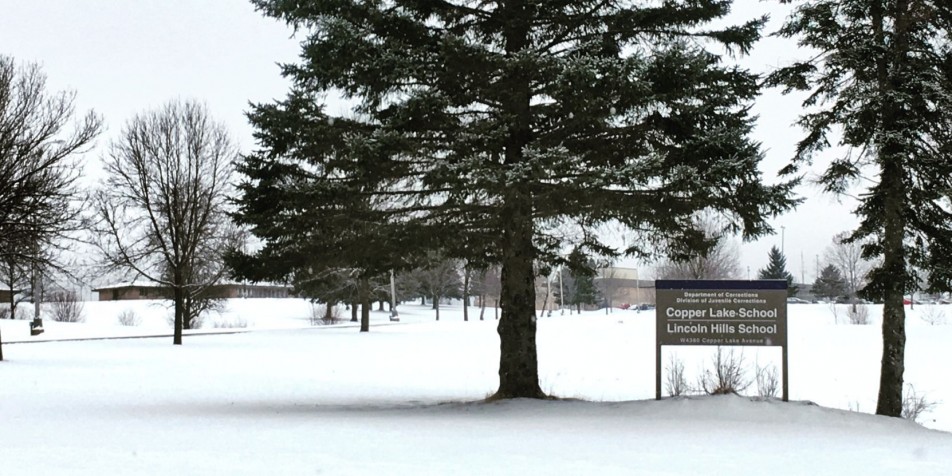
x: 707, y: 312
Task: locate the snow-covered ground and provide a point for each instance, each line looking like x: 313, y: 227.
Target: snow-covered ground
x: 291, y: 398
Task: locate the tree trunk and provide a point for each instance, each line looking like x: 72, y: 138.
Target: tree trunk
x: 13, y: 298
x: 423, y: 300
x: 178, y: 300
x: 186, y: 312
x: 465, y: 295
x: 353, y: 311
x: 482, y: 306
x: 329, y: 311
x: 892, y: 367
x: 436, y: 306
x: 891, y: 158
x: 518, y: 361
x: 380, y: 305
x: 365, y: 304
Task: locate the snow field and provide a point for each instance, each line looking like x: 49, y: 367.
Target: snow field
x: 405, y: 399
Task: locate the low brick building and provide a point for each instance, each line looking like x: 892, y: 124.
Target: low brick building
x: 132, y: 291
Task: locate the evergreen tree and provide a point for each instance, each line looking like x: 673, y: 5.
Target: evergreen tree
x: 584, y: 291
x: 581, y: 287
x: 830, y: 283
x: 881, y: 77
x: 777, y: 269
x: 479, y: 128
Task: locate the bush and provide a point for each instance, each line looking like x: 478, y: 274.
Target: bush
x: 23, y: 313
x: 235, y: 323
x: 321, y: 317
x: 197, y: 321
x: 675, y: 382
x: 65, y: 306
x: 768, y: 381
x: 914, y: 405
x: 932, y: 315
x: 859, y: 314
x: 129, y: 318
x: 727, y: 376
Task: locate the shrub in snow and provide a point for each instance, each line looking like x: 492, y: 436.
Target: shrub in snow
x: 23, y: 313
x: 65, y: 306
x: 129, y: 318
x: 932, y: 315
x: 675, y: 382
x: 727, y: 376
x: 235, y: 323
x: 858, y: 314
x: 322, y: 316
x: 768, y: 381
x: 196, y: 323
x: 914, y: 405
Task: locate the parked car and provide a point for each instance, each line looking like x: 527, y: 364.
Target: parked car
x: 796, y: 300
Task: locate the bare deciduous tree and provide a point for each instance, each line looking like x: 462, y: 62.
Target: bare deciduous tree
x: 40, y: 153
x: 722, y: 260
x: 848, y: 258
x: 162, y: 209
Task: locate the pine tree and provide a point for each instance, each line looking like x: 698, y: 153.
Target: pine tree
x: 580, y: 285
x: 479, y: 128
x: 881, y: 77
x: 830, y: 283
x: 777, y: 269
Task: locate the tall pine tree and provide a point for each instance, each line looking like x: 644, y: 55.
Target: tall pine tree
x: 777, y: 269
x: 486, y: 129
x: 881, y: 74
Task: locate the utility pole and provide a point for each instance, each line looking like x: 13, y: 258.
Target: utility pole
x: 783, y: 237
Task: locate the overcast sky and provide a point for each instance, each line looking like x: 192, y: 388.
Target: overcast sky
x: 124, y: 57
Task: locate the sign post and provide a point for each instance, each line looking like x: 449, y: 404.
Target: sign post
x: 708, y: 312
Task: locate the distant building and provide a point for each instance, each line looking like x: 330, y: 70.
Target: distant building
x: 132, y: 291
x: 621, y: 287
x: 5, y: 294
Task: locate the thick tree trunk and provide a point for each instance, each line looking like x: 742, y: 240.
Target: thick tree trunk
x: 329, y: 311
x: 186, y: 312
x: 891, y: 158
x: 380, y: 305
x: 365, y: 304
x: 353, y: 310
x: 518, y: 364
x: 894, y: 316
x: 13, y: 298
x: 178, y: 300
x: 518, y: 361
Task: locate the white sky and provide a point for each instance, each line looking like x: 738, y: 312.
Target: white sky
x: 125, y: 57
